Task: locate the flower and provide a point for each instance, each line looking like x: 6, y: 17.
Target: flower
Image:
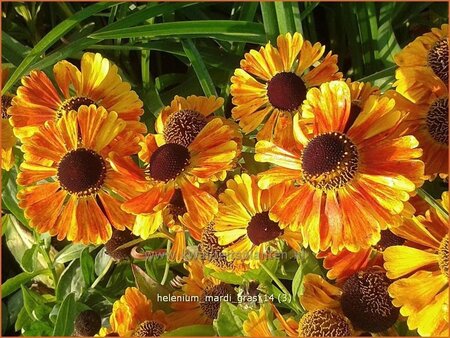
x: 8, y: 138
x: 170, y: 179
x: 422, y: 90
x: 352, y: 178
x: 420, y: 270
x: 342, y: 265
x: 185, y: 118
x: 70, y: 189
x: 428, y: 52
x: 273, y: 82
x: 133, y: 316
x: 97, y: 82
x: 425, y: 98
x: 363, y: 298
x: 213, y: 256
x: 200, y: 297
x: 257, y: 324
x: 243, y: 223
x: 323, y: 322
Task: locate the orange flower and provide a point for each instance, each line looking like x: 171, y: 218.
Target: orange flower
x: 200, y: 300
x: 363, y: 298
x: 354, y: 176
x: 171, y: 178
x: 273, y: 81
x: 82, y: 200
x: 97, y: 82
x: 420, y: 270
x: 133, y: 316
x: 243, y: 224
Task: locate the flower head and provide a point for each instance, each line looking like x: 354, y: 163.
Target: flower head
x: 273, y: 81
x: 351, y: 180
x: 96, y: 82
x: 70, y: 189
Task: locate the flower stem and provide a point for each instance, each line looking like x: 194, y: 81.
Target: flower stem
x: 102, y: 274
x: 276, y: 280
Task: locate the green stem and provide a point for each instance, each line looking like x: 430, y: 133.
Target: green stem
x: 431, y: 201
x: 102, y: 274
x: 166, y: 268
x: 48, y: 260
x: 276, y: 280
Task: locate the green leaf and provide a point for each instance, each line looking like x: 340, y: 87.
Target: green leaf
x: 387, y: 43
x: 128, y: 21
x: 66, y: 317
x: 199, y: 67
x: 227, y: 277
x: 270, y: 20
x: 240, y: 31
x: 87, y: 267
x: 71, y: 280
x: 14, y: 305
x: 13, y: 50
x: 35, y: 304
x: 14, y: 283
x: 29, y: 258
x: 9, y: 194
x: 297, y: 281
x: 227, y: 323
x: 38, y: 329
x: 261, y: 275
x: 192, y: 330
x: 149, y: 287
x: 102, y: 260
x: 69, y: 253
x: 285, y: 17
x: 53, y: 36
x: 5, y: 318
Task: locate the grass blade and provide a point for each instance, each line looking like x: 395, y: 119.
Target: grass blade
x: 240, y: 31
x: 285, y: 17
x: 49, y: 40
x: 13, y: 50
x: 270, y: 20
x: 387, y: 43
x: 130, y: 20
x: 199, y: 67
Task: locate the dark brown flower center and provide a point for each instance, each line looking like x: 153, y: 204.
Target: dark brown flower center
x: 262, y: 229
x: 82, y: 172
x: 150, y: 328
x: 6, y: 103
x: 355, y: 110
x: 437, y: 120
x: 183, y: 126
x: 168, y: 161
x: 366, y: 302
x: 87, y: 323
x: 74, y: 103
x: 118, y: 239
x: 329, y: 161
x: 438, y: 59
x: 388, y: 238
x: 324, y: 323
x: 286, y: 91
x: 211, y: 251
x: 213, y: 295
x: 176, y: 204
x: 443, y: 256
